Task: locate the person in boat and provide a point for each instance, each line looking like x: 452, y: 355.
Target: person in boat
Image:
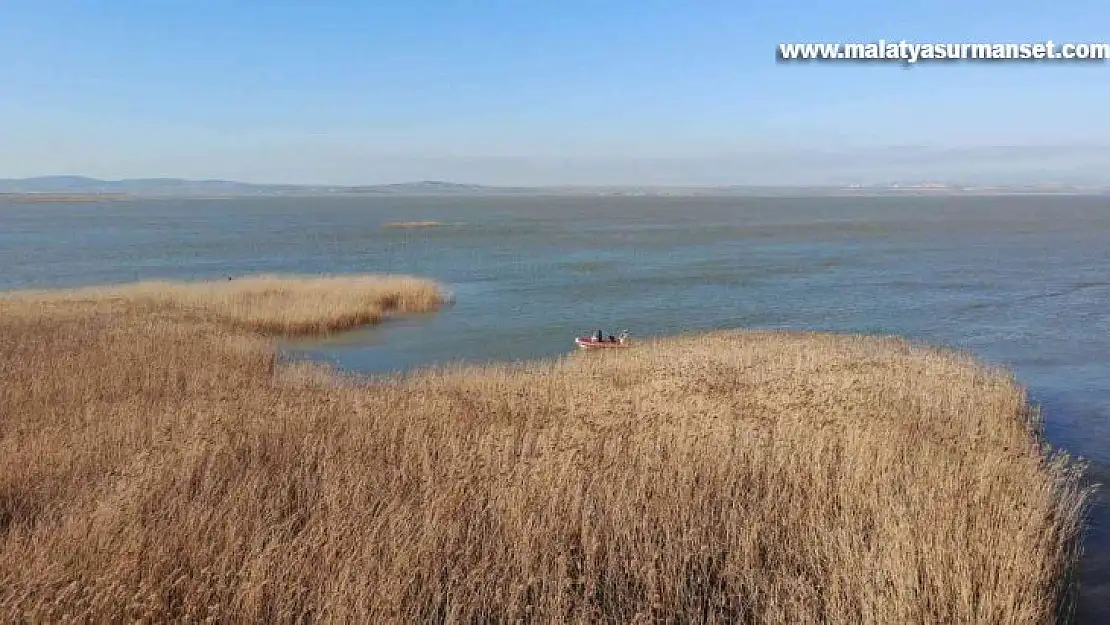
x: 612, y: 339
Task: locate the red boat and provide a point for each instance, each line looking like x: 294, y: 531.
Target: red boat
x: 591, y: 342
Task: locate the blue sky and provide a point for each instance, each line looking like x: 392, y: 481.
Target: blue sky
x: 539, y: 93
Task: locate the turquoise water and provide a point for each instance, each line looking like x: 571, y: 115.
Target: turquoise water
x: 1019, y: 281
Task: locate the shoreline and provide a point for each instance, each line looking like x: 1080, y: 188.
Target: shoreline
x: 692, y: 193
x: 64, y: 198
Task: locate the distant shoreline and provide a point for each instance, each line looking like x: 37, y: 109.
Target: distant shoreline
x: 64, y: 198
x: 77, y: 188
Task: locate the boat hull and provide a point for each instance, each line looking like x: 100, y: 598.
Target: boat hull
x: 592, y: 343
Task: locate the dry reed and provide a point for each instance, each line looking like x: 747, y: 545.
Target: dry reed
x: 285, y: 305
x: 157, y: 464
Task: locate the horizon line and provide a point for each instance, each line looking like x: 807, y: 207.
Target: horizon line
x: 442, y: 181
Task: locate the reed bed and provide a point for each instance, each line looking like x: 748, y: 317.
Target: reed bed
x: 268, y: 304
x: 163, y: 466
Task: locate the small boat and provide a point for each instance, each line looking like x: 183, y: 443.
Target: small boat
x: 591, y: 342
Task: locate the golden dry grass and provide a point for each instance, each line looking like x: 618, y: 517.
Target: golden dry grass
x: 285, y: 305
x: 157, y: 466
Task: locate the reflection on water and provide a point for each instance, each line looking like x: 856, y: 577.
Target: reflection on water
x: 1020, y: 281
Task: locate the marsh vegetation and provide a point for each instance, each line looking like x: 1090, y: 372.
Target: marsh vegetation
x: 159, y: 462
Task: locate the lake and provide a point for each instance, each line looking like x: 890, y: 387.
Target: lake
x: 1022, y: 281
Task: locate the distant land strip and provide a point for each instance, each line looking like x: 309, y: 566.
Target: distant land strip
x: 79, y: 188
x: 65, y: 198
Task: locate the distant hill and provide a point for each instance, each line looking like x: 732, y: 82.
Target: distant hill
x: 81, y: 184
x: 183, y: 187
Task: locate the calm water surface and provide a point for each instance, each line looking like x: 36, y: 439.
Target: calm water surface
x: 1020, y: 281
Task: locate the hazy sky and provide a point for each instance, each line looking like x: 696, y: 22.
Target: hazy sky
x: 540, y: 92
